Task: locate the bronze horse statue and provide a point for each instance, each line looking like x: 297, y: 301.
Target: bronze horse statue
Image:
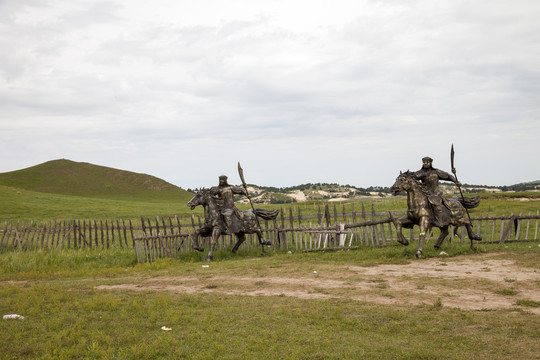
x: 214, y: 224
x: 420, y: 212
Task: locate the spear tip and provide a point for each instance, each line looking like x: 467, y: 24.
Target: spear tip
x: 241, y: 173
x: 452, y: 159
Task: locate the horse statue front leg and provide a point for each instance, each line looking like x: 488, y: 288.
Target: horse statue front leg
x: 424, y: 228
x: 213, y: 241
x: 196, y: 244
x: 398, y: 223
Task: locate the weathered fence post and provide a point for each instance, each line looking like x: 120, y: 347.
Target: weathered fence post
x: 342, y: 235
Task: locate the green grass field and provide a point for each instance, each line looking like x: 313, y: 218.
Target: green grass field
x: 67, y: 317
x: 25, y: 206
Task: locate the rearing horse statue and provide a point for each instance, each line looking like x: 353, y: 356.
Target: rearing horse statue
x: 214, y: 225
x: 419, y: 212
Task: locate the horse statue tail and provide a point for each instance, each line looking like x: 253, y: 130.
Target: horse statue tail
x: 468, y: 202
x: 266, y: 214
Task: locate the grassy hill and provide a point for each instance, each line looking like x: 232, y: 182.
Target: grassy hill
x: 24, y: 205
x: 68, y: 177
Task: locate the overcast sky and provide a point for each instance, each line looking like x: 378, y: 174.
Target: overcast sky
x: 297, y: 91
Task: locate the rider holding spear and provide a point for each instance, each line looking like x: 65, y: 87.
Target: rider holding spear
x: 234, y: 218
x: 430, y: 177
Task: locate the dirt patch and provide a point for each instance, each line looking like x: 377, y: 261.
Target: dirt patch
x: 468, y: 283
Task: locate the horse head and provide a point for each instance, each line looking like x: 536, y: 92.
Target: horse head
x: 403, y: 182
x: 200, y: 198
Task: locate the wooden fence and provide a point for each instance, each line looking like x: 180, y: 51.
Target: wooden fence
x: 81, y: 233
x: 333, y: 231
x: 78, y: 233
x: 326, y: 230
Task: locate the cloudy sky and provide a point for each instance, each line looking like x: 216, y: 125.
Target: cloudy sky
x: 297, y: 91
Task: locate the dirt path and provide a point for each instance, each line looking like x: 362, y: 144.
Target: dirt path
x: 469, y: 283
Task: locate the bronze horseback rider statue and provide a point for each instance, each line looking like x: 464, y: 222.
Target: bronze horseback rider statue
x: 223, y: 217
x: 430, y: 176
x: 427, y: 208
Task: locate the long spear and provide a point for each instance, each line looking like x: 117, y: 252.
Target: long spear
x: 457, y: 182
x: 241, y: 173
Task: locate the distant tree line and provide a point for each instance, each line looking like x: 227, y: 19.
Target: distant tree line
x: 530, y: 186
x: 329, y: 187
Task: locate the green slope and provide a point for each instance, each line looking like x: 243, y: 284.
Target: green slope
x: 24, y: 205
x: 68, y: 177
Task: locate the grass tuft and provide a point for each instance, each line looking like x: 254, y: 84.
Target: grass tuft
x: 528, y: 303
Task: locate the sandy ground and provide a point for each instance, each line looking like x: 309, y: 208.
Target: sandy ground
x: 467, y: 282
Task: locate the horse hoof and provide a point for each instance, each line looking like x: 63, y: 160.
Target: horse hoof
x: 418, y: 254
x: 403, y: 242
x: 209, y: 258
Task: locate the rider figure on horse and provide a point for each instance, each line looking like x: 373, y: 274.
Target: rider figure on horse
x: 224, y: 194
x: 430, y: 177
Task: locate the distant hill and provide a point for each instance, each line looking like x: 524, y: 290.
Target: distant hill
x: 312, y: 192
x: 83, y: 179
x: 528, y: 186
x: 335, y: 192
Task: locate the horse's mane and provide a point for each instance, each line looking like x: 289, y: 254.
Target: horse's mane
x: 206, y: 192
x: 203, y: 190
x: 410, y: 175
